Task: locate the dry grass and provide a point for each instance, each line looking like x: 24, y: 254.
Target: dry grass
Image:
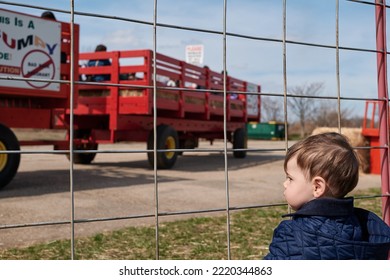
x: 193, y: 239
x: 356, y: 139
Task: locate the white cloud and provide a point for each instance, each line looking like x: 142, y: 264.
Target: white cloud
x: 123, y: 39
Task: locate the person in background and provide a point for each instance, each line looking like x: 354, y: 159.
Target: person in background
x: 100, y: 62
x: 49, y: 15
x: 320, y: 171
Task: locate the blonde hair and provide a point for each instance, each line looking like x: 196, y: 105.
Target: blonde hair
x: 330, y: 156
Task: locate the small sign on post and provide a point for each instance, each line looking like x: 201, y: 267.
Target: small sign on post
x: 194, y: 54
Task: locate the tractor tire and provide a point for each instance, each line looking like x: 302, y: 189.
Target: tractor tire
x: 9, y: 163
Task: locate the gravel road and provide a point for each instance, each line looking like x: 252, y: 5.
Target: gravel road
x: 122, y: 184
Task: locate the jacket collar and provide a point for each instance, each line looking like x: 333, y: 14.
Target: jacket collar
x: 330, y: 207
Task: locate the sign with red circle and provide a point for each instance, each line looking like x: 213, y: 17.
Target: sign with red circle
x: 37, y: 64
x: 30, y: 48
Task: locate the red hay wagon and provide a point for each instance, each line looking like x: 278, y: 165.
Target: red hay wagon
x: 35, y: 92
x: 189, y: 105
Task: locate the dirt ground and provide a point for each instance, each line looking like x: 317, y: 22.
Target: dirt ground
x: 120, y: 185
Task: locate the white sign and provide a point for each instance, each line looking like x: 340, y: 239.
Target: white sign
x: 194, y: 54
x: 30, y: 47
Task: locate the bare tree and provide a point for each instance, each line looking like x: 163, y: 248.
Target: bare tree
x: 272, y: 109
x: 327, y: 115
x: 301, y: 105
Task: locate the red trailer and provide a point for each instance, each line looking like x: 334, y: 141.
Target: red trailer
x: 31, y: 49
x: 189, y: 105
x: 35, y: 93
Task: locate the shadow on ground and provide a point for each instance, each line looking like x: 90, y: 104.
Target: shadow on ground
x: 102, y: 175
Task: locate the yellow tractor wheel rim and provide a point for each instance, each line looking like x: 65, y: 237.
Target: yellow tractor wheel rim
x: 170, y: 144
x: 3, y: 157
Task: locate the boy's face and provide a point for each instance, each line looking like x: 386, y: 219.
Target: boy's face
x: 297, y: 188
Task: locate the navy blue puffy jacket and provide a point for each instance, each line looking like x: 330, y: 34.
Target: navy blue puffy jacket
x: 330, y: 229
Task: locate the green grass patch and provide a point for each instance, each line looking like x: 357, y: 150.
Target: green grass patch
x: 196, y: 238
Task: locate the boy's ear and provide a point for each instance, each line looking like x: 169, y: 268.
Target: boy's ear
x: 319, y: 186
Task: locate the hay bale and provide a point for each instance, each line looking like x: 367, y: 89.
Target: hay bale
x: 356, y: 139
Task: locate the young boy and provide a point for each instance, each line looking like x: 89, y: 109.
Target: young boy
x: 320, y: 171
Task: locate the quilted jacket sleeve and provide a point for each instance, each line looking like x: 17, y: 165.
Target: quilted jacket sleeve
x: 283, y: 245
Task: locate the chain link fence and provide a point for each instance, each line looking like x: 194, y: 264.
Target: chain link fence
x: 299, y: 60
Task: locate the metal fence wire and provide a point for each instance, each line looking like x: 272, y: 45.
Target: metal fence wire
x: 285, y: 44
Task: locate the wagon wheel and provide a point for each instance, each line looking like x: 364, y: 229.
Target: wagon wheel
x: 240, y: 141
x: 166, y: 139
x: 9, y: 163
x: 83, y: 158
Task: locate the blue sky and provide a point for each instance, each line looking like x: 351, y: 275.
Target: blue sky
x: 257, y: 61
